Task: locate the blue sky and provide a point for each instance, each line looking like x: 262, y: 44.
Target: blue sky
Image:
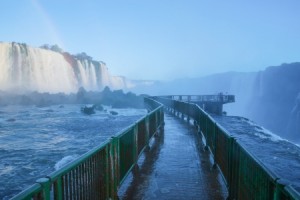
x: 161, y: 39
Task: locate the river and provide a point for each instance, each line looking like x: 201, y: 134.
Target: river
x: 35, y: 141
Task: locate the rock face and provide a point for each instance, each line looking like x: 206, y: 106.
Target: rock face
x: 269, y: 97
x: 272, y: 99
x: 24, y: 68
x: 275, y: 103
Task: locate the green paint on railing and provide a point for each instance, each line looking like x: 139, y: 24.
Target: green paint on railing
x: 98, y: 173
x: 245, y: 176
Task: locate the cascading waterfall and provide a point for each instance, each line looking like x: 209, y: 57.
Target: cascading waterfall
x: 24, y: 68
x: 87, y: 75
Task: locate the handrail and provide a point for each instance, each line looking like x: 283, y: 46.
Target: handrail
x: 98, y: 173
x: 224, y: 98
x: 246, y: 177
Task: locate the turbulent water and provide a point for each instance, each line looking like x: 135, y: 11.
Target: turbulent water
x: 35, y: 69
x: 36, y: 141
x: 279, y: 155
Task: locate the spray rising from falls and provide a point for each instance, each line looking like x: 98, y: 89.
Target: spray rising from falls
x: 24, y: 68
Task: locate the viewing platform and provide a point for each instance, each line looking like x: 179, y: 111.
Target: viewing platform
x: 209, y: 103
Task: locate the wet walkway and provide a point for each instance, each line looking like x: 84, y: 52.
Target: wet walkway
x: 176, y: 167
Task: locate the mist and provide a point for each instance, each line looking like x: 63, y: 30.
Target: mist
x: 47, y: 75
x: 270, y: 97
x: 115, y: 99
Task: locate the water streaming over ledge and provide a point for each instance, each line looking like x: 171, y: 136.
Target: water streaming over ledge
x: 279, y: 155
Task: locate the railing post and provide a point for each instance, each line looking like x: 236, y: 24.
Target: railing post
x: 46, y: 185
x: 188, y: 110
x: 278, y: 189
x: 199, y: 121
x: 162, y: 118
x: 155, y: 124
x: 206, y: 133
x: 135, y: 149
x: 107, y: 171
x: 58, y: 191
x: 135, y: 137
x: 147, y: 136
x: 215, y: 144
x: 114, y: 167
x: 233, y: 169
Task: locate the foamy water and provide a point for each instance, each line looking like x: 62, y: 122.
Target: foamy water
x: 64, y: 161
x: 37, y: 141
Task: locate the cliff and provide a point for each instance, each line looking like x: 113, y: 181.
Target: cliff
x: 275, y: 103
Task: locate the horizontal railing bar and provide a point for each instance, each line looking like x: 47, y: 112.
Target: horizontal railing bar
x: 30, y: 191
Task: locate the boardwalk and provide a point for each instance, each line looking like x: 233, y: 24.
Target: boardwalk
x: 176, y: 167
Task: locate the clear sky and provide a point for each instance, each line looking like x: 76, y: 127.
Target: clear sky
x: 161, y: 39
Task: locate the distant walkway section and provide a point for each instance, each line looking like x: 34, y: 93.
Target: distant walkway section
x: 176, y: 167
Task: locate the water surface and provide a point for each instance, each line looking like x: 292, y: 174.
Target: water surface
x: 36, y: 141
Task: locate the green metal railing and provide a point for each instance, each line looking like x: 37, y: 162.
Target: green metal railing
x: 225, y: 98
x: 98, y: 173
x: 245, y: 176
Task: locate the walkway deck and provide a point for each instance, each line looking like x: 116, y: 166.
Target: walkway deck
x: 176, y: 167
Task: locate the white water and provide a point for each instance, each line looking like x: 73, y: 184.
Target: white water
x: 24, y: 68
x: 42, y: 140
x: 65, y: 160
x: 262, y: 132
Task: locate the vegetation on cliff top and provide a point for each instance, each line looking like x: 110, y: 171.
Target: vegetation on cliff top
x: 116, y: 99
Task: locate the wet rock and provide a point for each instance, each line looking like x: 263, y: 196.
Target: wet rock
x: 113, y: 112
x: 88, y: 110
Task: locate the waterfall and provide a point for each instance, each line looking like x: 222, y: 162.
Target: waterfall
x: 87, y: 75
x: 24, y: 68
